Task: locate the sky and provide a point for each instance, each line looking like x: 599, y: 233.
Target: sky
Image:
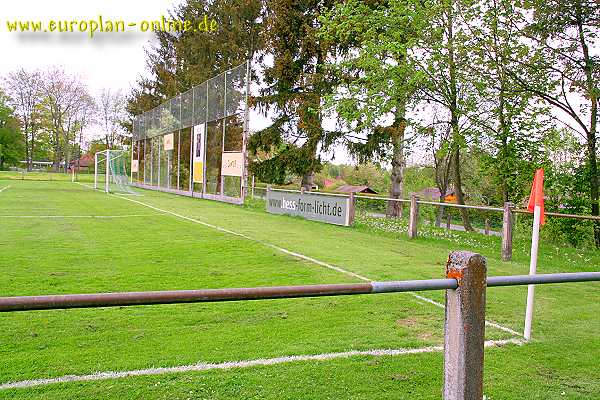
x: 106, y: 61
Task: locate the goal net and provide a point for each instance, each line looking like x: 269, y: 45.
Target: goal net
x: 110, y: 171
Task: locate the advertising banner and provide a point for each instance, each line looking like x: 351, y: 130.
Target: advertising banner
x: 168, y: 142
x: 198, y: 155
x: 232, y: 164
x: 310, y: 205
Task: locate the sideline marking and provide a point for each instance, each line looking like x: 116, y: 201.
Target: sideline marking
x: 303, y: 257
x: 238, y: 364
x: 4, y: 188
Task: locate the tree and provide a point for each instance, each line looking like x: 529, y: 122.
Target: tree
x: 111, y: 114
x: 11, y: 146
x: 25, y: 95
x: 563, y: 71
x: 182, y: 59
x: 376, y: 78
x: 443, y: 59
x: 295, y: 87
x: 511, y: 123
x: 64, y: 96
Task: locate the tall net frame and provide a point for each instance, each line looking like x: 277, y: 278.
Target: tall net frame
x: 110, y: 172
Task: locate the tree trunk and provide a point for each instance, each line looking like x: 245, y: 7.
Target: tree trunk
x: 440, y: 212
x: 454, y: 114
x: 26, y: 144
x: 591, y: 134
x: 30, y: 159
x: 460, y: 199
x: 394, y: 208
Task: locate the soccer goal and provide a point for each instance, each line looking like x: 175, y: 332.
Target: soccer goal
x: 110, y: 171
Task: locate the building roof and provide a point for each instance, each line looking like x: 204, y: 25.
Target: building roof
x: 355, y: 189
x: 85, y: 161
x: 433, y: 193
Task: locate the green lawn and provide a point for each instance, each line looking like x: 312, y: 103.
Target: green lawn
x: 147, y: 249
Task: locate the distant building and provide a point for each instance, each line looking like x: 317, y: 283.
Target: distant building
x: 355, y: 189
x: 85, y: 163
x: 433, y: 193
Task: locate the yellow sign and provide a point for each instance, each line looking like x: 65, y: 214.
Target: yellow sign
x: 198, y: 172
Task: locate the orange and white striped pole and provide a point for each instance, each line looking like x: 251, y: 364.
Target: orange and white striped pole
x: 536, y: 204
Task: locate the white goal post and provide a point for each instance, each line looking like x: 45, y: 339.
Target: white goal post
x: 110, y: 171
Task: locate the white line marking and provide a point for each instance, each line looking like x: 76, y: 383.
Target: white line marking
x: 487, y: 322
x: 237, y: 364
x: 281, y: 249
x: 303, y: 257
x: 4, y: 188
x: 79, y: 216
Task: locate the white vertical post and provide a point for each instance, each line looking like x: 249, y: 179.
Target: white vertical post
x: 535, y: 237
x: 107, y: 174
x: 96, y: 171
x: 246, y: 130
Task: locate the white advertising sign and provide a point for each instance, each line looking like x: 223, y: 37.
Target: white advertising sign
x: 232, y: 164
x: 168, y: 142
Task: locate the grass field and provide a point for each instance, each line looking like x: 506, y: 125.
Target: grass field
x: 60, y: 237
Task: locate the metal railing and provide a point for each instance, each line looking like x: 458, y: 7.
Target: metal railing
x: 465, y: 282
x: 508, y: 215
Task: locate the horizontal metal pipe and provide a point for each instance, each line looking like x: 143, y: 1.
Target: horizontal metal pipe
x: 381, y: 198
x: 412, y: 286
x: 24, y: 303
x: 541, y: 279
x: 482, y: 208
x: 561, y: 215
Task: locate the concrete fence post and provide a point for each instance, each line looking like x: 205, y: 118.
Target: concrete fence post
x: 413, y: 220
x: 465, y: 327
x: 507, y: 231
x: 487, y: 226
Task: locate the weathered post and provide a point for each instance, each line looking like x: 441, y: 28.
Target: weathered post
x: 413, y: 217
x: 351, y: 208
x: 507, y: 231
x: 448, y: 220
x: 487, y: 226
x: 465, y: 327
x: 252, y: 190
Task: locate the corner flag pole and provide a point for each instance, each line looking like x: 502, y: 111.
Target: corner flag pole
x: 536, y: 204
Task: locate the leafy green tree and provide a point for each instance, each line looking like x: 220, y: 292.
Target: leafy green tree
x: 443, y: 59
x: 182, y: 59
x: 563, y: 71
x: 511, y: 124
x: 376, y: 78
x: 11, y: 144
x: 25, y: 94
x: 295, y: 85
